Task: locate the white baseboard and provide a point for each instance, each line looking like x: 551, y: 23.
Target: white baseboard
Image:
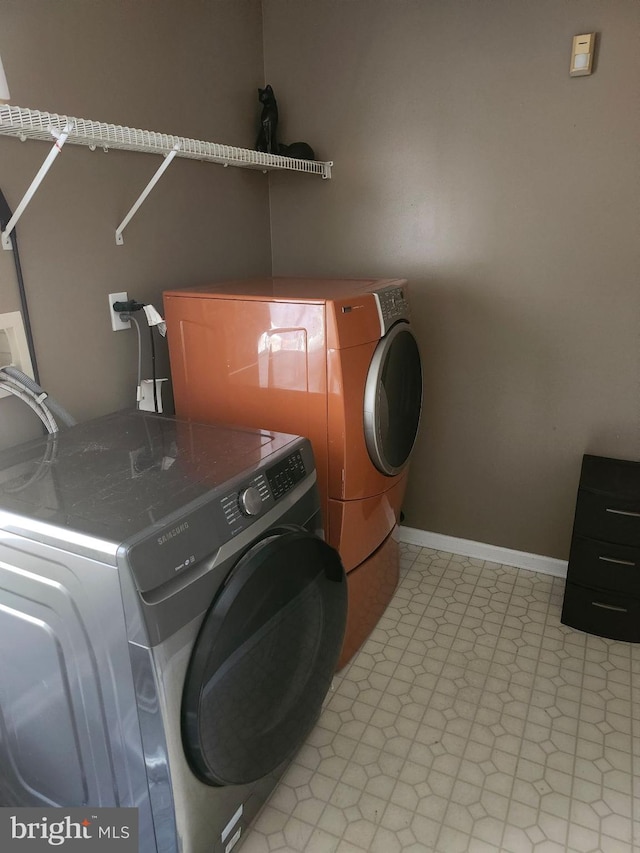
x: 482, y: 551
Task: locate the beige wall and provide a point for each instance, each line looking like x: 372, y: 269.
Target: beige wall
x: 190, y: 68
x: 467, y: 160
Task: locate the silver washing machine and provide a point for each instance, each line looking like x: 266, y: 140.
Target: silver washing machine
x: 169, y: 622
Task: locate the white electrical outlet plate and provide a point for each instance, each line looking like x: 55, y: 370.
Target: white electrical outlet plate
x: 13, y: 345
x: 116, y: 323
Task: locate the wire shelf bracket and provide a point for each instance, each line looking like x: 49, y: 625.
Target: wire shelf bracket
x: 60, y: 139
x: 33, y: 124
x: 154, y: 180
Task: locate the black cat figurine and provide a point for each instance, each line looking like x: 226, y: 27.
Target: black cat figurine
x: 267, y: 135
x: 300, y: 150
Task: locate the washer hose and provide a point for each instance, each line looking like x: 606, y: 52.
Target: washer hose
x: 23, y: 386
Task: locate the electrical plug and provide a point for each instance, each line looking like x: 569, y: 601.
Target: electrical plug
x: 127, y: 307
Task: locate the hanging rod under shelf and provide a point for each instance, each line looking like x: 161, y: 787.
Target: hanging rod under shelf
x: 33, y: 124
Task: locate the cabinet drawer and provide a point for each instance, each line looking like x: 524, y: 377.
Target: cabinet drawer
x: 607, y: 518
x: 607, y: 614
x: 605, y: 565
x: 619, y: 477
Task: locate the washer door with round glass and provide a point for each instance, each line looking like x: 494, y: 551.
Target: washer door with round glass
x: 264, y: 658
x: 393, y: 400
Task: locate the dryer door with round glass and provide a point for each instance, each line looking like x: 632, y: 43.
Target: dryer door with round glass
x: 393, y: 400
x: 264, y: 658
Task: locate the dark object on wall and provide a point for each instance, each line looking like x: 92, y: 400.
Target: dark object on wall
x: 300, y: 150
x: 602, y: 595
x: 267, y: 135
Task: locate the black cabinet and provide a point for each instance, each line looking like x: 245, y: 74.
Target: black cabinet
x: 602, y: 595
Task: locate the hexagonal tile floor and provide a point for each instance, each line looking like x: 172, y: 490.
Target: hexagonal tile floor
x: 471, y: 720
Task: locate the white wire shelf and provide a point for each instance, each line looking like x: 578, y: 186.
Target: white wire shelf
x: 33, y: 124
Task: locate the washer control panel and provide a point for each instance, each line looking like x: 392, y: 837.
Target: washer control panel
x: 246, y: 502
x: 250, y: 501
x: 284, y: 476
x: 260, y: 493
x: 268, y: 490
x: 393, y: 305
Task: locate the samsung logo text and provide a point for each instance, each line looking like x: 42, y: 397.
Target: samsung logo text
x: 171, y: 534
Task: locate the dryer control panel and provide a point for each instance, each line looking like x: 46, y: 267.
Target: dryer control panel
x: 393, y: 305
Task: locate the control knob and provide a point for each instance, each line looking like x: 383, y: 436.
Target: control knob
x: 250, y: 501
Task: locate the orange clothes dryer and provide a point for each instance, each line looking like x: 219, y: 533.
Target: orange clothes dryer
x: 331, y: 359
